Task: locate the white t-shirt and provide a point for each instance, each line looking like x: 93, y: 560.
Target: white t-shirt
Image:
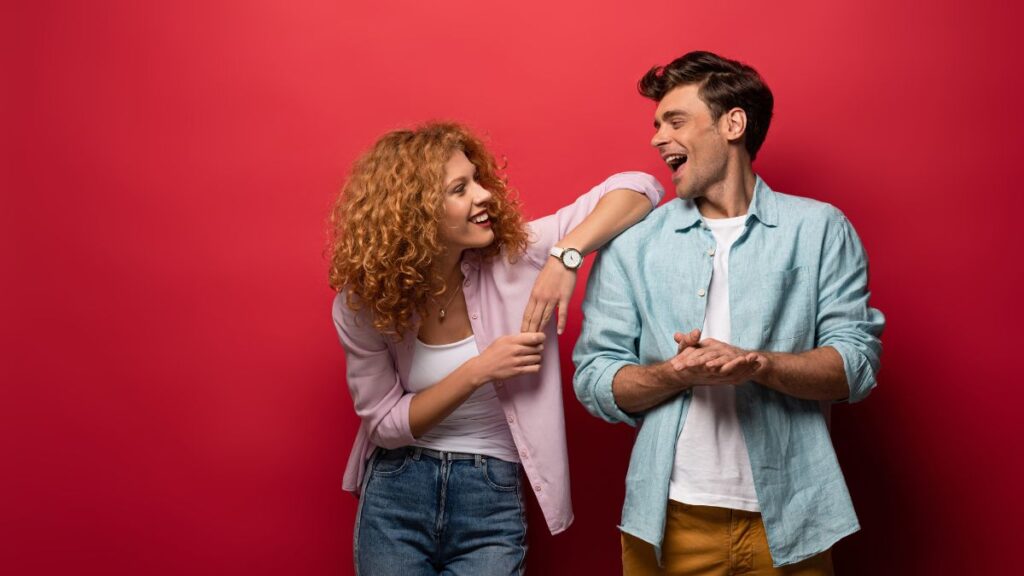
x: 477, y: 426
x: 712, y: 466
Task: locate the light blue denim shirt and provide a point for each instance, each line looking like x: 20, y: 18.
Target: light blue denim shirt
x: 798, y: 280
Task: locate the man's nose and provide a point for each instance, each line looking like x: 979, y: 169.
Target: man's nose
x: 659, y: 138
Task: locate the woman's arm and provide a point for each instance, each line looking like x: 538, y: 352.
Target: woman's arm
x: 614, y: 211
x: 394, y: 417
x: 378, y: 397
x: 506, y: 357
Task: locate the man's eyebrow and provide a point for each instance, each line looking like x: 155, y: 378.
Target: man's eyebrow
x: 669, y: 115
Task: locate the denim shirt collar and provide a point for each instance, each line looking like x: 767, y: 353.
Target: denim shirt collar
x: 762, y: 207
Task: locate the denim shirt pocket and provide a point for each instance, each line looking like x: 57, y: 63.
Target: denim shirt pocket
x: 789, y: 308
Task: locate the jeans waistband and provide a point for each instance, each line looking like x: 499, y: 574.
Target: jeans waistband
x: 416, y: 452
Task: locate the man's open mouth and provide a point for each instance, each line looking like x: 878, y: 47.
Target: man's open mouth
x: 675, y: 161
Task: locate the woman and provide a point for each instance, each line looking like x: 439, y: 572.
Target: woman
x: 449, y: 363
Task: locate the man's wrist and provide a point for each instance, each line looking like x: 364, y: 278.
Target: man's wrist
x: 766, y: 373
x: 664, y: 376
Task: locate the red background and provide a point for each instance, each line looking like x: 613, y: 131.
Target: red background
x: 173, y: 398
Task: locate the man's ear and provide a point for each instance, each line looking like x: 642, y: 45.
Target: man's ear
x: 733, y: 124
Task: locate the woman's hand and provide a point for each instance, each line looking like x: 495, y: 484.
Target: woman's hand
x: 510, y: 356
x: 553, y: 289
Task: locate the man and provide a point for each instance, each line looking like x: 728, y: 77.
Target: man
x: 732, y: 470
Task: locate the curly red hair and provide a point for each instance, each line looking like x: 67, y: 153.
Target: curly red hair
x: 384, y: 229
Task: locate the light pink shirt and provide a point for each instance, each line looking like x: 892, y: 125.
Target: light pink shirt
x: 496, y: 293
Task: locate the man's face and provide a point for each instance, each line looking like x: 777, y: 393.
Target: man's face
x: 690, y: 142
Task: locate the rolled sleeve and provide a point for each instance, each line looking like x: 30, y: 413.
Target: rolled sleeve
x: 380, y: 401
x: 611, y: 329
x: 845, y: 321
x: 547, y: 231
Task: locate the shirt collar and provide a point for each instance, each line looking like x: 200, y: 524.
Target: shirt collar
x: 762, y: 207
x: 470, y: 260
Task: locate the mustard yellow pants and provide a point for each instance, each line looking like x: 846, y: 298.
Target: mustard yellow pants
x: 712, y: 541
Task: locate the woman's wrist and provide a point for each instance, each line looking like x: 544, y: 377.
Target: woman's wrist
x: 474, y: 372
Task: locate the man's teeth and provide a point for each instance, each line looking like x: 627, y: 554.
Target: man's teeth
x: 479, y: 219
x: 675, y: 160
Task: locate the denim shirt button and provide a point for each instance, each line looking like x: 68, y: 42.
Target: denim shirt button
x: 711, y: 251
x: 701, y: 292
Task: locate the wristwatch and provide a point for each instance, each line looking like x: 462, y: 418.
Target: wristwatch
x: 570, y: 257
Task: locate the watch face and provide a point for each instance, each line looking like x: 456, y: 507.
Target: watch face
x: 572, y: 258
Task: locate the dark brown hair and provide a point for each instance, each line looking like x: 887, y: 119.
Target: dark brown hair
x: 724, y: 84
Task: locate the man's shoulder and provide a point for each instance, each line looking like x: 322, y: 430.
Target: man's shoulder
x: 791, y: 206
x: 652, y: 226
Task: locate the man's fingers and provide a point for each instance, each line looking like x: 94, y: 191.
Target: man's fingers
x: 734, y: 364
x: 705, y: 357
x: 687, y: 340
x: 716, y: 363
x: 731, y: 365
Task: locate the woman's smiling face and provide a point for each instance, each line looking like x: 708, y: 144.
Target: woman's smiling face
x: 466, y: 223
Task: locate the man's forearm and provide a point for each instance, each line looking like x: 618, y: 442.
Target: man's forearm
x: 639, y: 388
x: 817, y: 374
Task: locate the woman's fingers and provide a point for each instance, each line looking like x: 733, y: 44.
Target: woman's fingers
x: 529, y: 320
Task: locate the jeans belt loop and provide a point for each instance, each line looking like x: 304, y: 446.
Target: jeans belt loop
x: 477, y: 460
x: 416, y: 454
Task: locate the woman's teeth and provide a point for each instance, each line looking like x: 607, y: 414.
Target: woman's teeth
x: 479, y: 219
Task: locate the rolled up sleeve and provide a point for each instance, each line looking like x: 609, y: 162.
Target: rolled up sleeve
x: 380, y: 401
x: 845, y: 321
x: 545, y: 232
x: 608, y: 342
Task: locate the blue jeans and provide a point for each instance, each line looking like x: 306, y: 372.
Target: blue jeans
x: 424, y: 512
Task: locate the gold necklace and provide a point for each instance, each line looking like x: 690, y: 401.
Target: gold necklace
x: 443, y: 309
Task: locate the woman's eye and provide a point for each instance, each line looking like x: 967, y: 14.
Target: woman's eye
x: 459, y: 189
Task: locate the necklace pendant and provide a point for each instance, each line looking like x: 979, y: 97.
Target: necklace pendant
x: 440, y: 315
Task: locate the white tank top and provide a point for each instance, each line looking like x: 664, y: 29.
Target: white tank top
x: 477, y: 426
